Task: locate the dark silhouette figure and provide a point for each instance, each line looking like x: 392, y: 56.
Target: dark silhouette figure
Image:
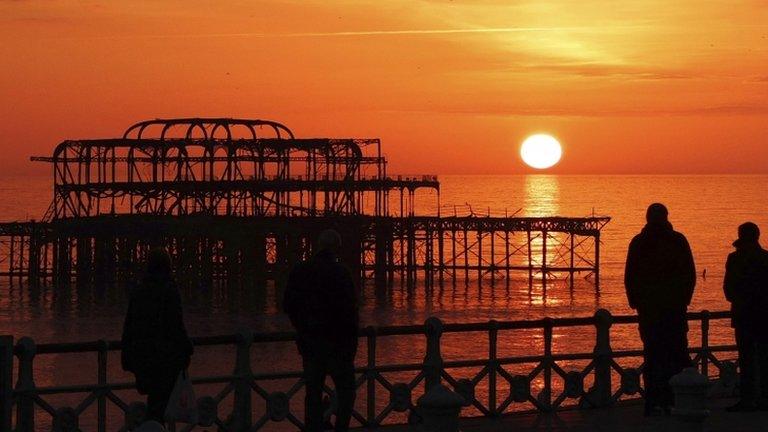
x: 659, y: 279
x: 321, y: 301
x: 746, y: 287
x: 156, y: 347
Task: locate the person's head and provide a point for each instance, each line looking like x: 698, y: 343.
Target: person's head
x: 749, y: 233
x: 657, y: 214
x: 158, y: 262
x: 329, y: 241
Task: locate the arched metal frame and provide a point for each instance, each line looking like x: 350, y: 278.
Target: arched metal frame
x: 206, y: 125
x: 212, y: 170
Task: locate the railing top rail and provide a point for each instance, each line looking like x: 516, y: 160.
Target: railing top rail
x: 399, y: 330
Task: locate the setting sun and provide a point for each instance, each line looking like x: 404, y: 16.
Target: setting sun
x: 541, y: 151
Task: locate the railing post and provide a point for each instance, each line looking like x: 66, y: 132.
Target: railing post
x: 433, y: 360
x: 705, y: 343
x: 102, y: 392
x: 601, y: 393
x: 6, y: 382
x: 241, y: 407
x: 370, y: 377
x: 25, y: 386
x: 493, y: 366
x: 545, y: 397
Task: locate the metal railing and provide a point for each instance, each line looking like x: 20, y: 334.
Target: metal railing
x: 253, y: 406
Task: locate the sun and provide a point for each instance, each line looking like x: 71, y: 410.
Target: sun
x: 541, y: 151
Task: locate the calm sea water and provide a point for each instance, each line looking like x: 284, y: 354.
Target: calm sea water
x: 707, y: 209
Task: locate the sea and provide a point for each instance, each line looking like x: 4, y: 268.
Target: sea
x: 706, y: 208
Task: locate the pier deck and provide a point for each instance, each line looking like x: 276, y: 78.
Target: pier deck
x: 247, y: 251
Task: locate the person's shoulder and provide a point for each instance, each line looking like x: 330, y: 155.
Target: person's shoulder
x: 171, y: 290
x: 677, y: 235
x: 637, y: 238
x: 341, y: 267
x: 299, y: 270
x: 301, y: 266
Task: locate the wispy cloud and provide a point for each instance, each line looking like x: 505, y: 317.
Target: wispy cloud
x: 601, y: 70
x: 715, y: 110
x: 352, y: 33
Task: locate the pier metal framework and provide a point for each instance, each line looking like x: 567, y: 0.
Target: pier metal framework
x: 224, y: 167
x: 240, y: 201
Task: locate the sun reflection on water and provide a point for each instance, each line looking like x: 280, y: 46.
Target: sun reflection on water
x: 542, y: 195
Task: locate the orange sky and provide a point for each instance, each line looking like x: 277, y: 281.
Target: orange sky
x: 450, y: 86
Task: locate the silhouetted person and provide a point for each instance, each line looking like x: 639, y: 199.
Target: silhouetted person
x: 156, y: 347
x: 746, y: 287
x: 321, y: 301
x: 659, y: 279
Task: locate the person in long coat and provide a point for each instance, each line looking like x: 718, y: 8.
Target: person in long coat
x: 746, y: 288
x: 321, y: 301
x: 659, y: 278
x: 155, y: 345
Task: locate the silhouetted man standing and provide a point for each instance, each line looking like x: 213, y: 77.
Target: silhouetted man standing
x: 156, y: 347
x: 659, y: 279
x: 746, y: 287
x: 321, y: 301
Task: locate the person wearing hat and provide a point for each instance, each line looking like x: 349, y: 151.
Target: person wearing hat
x: 659, y: 279
x: 321, y: 300
x: 746, y: 288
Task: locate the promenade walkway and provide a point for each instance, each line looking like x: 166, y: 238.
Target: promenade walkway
x: 620, y: 418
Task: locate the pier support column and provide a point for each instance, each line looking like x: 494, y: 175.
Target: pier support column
x: 63, y: 267
x: 383, y: 244
x: 83, y: 261
x: 33, y: 258
x: 597, y: 262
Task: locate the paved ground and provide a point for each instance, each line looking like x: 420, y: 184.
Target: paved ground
x: 624, y: 418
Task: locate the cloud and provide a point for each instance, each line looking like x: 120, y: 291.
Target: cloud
x: 714, y: 110
x: 352, y: 33
x: 610, y: 70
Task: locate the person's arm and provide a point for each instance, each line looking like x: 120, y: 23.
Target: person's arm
x: 293, y: 298
x: 350, y: 292
x: 729, y: 286
x: 127, y: 340
x: 630, y: 275
x: 174, y: 316
x: 689, y: 271
x: 289, y: 297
